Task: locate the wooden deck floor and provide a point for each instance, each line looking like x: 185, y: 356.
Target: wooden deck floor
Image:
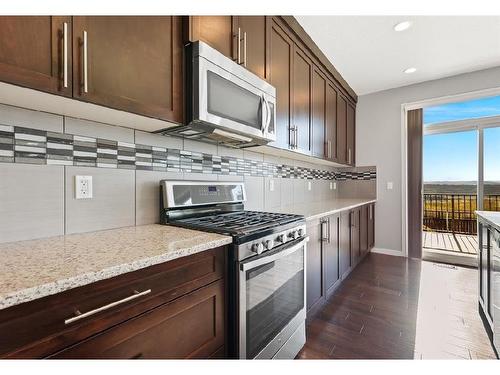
x: 394, y: 307
x: 456, y: 243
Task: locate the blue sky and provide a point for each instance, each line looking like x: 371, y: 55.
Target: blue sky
x: 453, y: 156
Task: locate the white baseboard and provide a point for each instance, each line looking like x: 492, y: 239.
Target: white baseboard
x: 395, y: 253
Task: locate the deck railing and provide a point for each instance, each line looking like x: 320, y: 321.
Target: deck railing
x: 455, y: 212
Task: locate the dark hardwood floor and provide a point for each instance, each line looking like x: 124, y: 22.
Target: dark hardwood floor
x: 396, y: 308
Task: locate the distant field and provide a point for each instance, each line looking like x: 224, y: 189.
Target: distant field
x: 451, y: 206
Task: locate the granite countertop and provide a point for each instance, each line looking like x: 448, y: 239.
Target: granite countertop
x: 317, y: 210
x: 38, y: 268
x: 491, y: 217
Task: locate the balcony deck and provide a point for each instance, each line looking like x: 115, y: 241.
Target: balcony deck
x: 452, y: 242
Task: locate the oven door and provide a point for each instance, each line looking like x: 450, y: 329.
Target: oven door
x: 271, y: 299
x: 235, y: 105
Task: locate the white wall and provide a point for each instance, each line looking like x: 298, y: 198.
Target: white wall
x: 378, y: 141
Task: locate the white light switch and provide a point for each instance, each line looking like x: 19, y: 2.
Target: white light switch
x: 389, y: 185
x: 309, y: 185
x: 331, y: 185
x: 334, y: 186
x: 83, y: 187
x: 271, y: 185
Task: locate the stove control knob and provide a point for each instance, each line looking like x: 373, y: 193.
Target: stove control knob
x: 269, y: 244
x: 301, y: 232
x: 294, y: 234
x: 258, y: 248
x: 281, y: 238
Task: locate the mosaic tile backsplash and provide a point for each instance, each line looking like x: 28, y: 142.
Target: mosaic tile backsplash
x: 26, y: 145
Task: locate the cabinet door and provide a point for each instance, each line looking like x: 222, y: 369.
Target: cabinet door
x: 302, y: 73
x: 371, y: 226
x: 344, y: 244
x: 280, y: 76
x: 133, y: 64
x: 363, y: 230
x: 191, y: 326
x: 318, y: 113
x: 35, y: 53
x: 216, y: 31
x: 253, y: 43
x: 331, y: 252
x: 313, y: 266
x: 351, y: 132
x: 331, y: 122
x: 355, y: 236
x: 341, y: 129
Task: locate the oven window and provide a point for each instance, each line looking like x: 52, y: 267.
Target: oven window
x: 274, y: 295
x: 228, y: 100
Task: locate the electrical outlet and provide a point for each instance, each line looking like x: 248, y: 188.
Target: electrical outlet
x: 271, y: 185
x: 309, y: 185
x: 331, y: 185
x: 390, y: 185
x: 83, y: 187
x: 334, y: 186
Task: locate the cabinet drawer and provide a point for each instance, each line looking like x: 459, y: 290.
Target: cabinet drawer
x: 42, y: 327
x: 189, y: 327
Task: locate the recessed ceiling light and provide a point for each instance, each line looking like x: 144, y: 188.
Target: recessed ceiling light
x: 410, y: 70
x: 402, y: 26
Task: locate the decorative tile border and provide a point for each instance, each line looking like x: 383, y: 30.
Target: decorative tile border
x: 25, y: 145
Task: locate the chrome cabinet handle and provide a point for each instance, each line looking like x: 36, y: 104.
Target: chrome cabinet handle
x: 329, y: 149
x: 65, y: 54
x: 85, y: 62
x: 324, y: 236
x: 79, y: 315
x: 292, y: 138
x: 245, y: 49
x: 239, y: 45
x: 296, y: 137
x: 349, y: 156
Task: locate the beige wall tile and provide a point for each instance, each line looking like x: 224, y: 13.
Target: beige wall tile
x: 97, y: 130
x: 147, y: 193
x: 207, y: 148
x: 255, y: 193
x: 272, y: 199
x: 286, y: 188
x: 112, y: 205
x: 158, y: 140
x: 27, y: 118
x: 32, y: 201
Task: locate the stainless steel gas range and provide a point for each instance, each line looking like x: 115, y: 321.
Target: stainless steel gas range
x: 266, y: 265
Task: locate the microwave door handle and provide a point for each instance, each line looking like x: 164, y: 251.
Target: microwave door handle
x: 271, y: 258
x: 269, y: 115
x: 263, y: 109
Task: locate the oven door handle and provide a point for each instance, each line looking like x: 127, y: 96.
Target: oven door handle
x: 271, y: 258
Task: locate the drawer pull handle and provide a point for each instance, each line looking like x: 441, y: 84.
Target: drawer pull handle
x: 79, y: 315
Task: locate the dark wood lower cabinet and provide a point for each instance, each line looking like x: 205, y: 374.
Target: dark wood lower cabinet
x: 178, y: 312
x: 314, y: 263
x: 344, y: 244
x: 191, y: 326
x: 337, y: 243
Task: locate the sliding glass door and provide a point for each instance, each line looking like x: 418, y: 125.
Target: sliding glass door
x: 491, y: 169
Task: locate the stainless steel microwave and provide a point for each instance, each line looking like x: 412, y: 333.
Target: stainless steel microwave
x: 225, y: 102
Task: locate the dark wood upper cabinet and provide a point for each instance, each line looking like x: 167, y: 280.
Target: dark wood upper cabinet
x: 301, y: 103
x: 253, y: 43
x: 133, y: 64
x: 280, y: 76
x: 314, y: 272
x: 341, y: 129
x: 331, y: 252
x: 331, y: 122
x: 351, y: 134
x: 318, y: 144
x: 35, y: 52
x: 216, y: 31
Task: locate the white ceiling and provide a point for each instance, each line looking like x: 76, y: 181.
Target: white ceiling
x: 371, y: 56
